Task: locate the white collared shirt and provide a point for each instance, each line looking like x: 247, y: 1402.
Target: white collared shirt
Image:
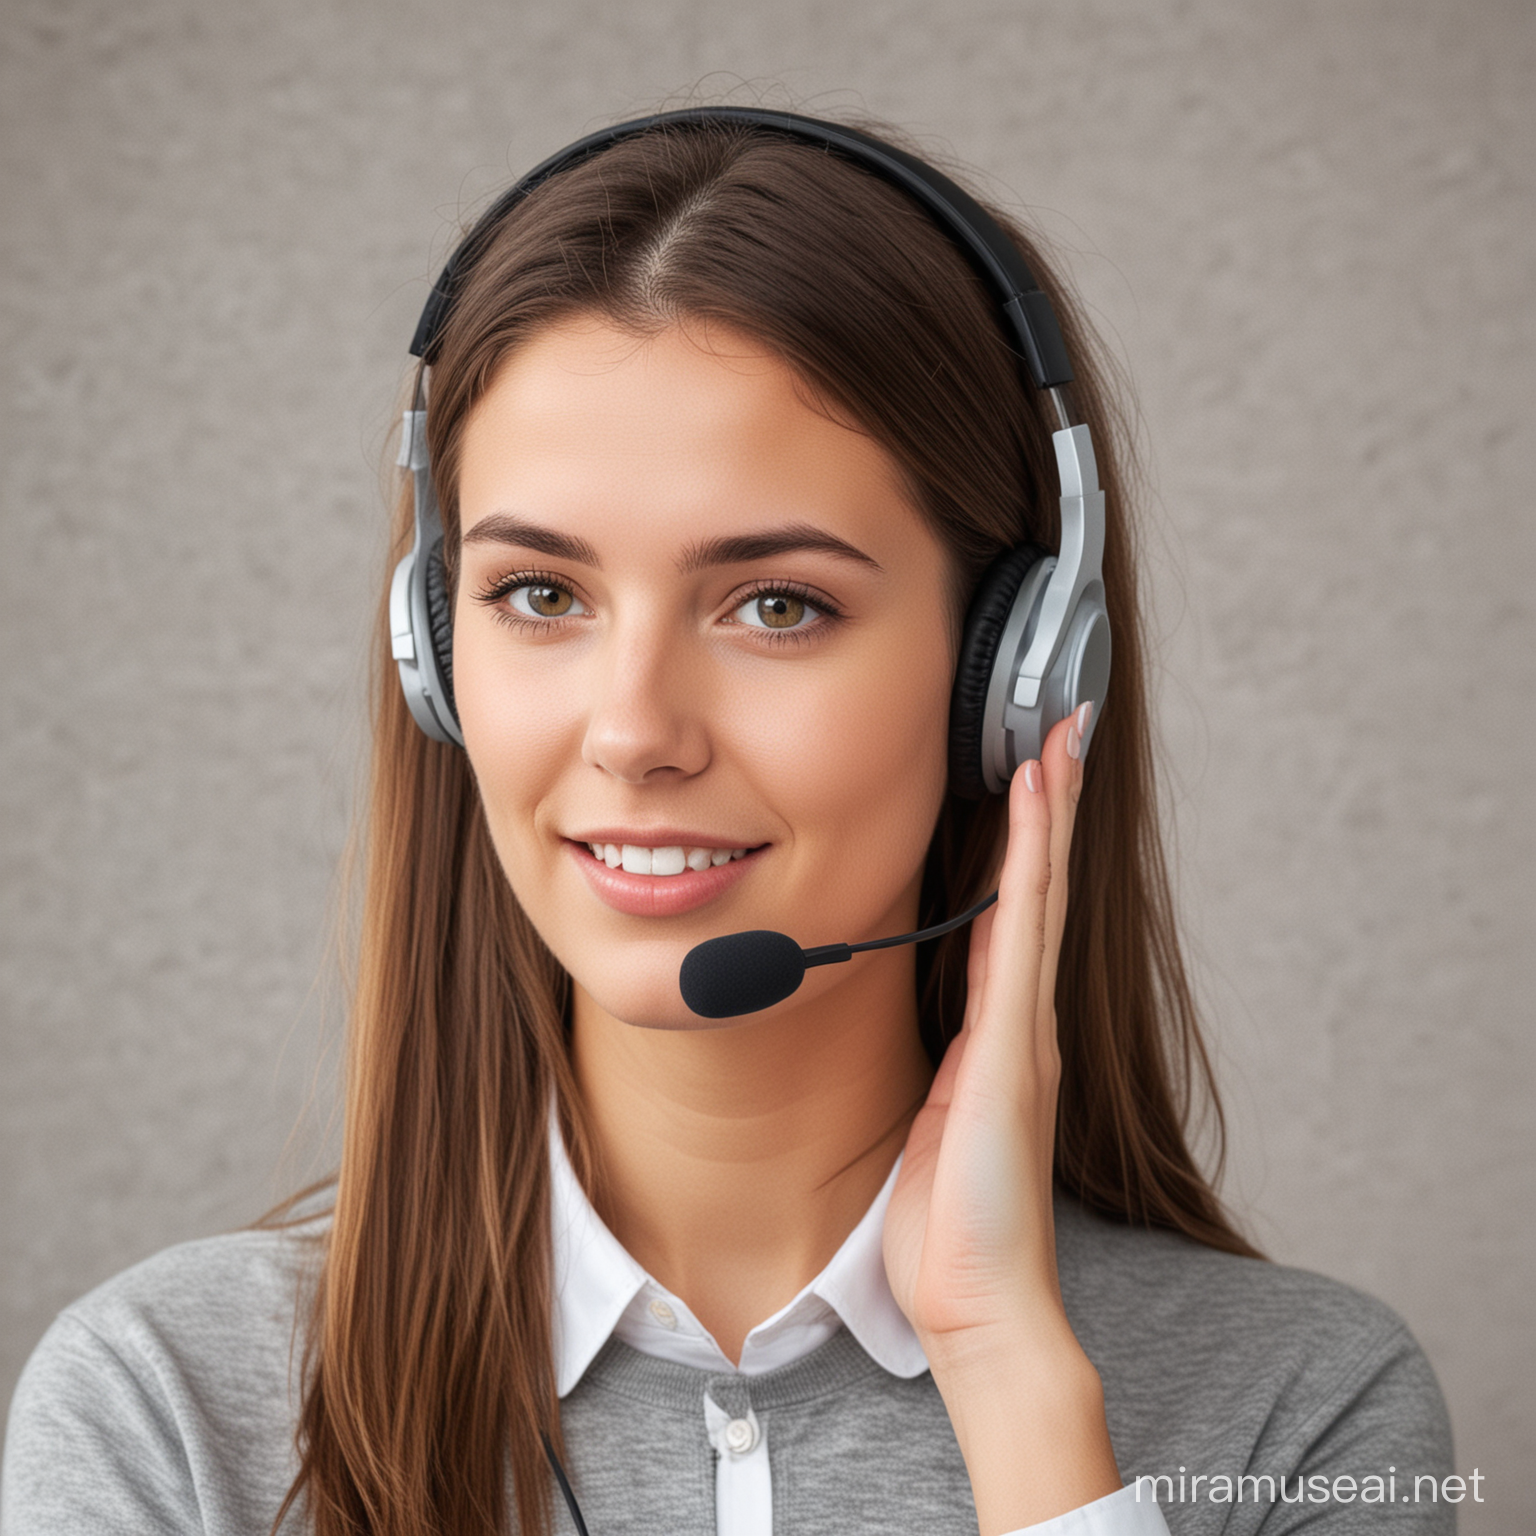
x: 600, y: 1292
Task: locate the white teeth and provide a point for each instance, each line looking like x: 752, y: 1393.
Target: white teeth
x: 672, y: 860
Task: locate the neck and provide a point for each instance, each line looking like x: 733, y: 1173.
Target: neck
x: 734, y: 1161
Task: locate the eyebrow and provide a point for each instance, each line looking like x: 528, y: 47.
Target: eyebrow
x: 734, y: 549
x: 729, y: 549
x: 503, y: 528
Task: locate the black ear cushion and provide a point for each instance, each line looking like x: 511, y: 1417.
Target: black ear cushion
x: 440, y: 617
x: 984, y: 624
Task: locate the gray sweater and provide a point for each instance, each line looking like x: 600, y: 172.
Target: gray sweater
x: 164, y: 1401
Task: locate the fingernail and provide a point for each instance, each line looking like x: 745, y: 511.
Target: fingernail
x: 1075, y: 730
x: 1032, y: 776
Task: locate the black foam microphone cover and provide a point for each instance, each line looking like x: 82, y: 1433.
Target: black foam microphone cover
x: 741, y: 973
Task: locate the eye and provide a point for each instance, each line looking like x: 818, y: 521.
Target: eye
x: 543, y: 600
x: 776, y: 610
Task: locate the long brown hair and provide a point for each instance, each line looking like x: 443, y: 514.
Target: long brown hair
x: 429, y: 1374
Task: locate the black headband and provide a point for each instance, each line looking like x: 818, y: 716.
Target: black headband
x: 1026, y: 311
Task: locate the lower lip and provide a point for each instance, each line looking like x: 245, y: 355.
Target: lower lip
x: 658, y: 895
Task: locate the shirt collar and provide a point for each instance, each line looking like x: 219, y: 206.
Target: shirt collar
x: 601, y: 1290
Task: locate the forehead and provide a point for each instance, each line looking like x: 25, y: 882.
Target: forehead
x: 640, y: 443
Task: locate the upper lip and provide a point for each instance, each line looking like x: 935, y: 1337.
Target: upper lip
x: 660, y: 837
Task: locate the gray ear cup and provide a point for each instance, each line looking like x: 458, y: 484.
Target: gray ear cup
x: 420, y: 614
x: 1013, y: 731
x: 440, y: 620
x: 1015, y: 576
x: 1037, y: 638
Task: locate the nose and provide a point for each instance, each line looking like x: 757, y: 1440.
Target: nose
x: 647, y: 703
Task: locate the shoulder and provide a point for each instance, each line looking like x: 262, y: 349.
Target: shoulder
x: 200, y: 1314
x: 1139, y: 1281
x: 1232, y: 1366
x: 174, y: 1382
x: 212, y: 1292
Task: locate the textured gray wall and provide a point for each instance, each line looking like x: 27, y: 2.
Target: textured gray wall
x: 1307, y: 230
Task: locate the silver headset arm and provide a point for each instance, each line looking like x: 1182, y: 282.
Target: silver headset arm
x: 410, y: 618
x: 1054, y: 653
x: 1080, y: 564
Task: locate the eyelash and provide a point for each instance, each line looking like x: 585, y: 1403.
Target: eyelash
x: 495, y: 594
x: 828, y: 613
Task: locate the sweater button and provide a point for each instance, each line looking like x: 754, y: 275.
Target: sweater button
x: 740, y: 1436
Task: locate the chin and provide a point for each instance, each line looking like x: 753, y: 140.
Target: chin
x: 643, y: 993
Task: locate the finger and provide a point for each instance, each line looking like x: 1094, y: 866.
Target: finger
x: 1063, y: 778
x: 1005, y: 1015
x: 942, y: 1088
x: 976, y: 965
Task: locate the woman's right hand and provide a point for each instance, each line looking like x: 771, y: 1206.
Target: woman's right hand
x: 970, y: 1234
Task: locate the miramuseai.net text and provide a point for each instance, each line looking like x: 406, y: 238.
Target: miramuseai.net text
x: 1390, y: 1486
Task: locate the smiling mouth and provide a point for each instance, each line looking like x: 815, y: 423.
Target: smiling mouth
x: 635, y: 859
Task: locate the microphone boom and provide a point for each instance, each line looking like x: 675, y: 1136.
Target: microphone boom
x: 746, y: 972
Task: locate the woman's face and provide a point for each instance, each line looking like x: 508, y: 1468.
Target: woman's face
x: 701, y: 629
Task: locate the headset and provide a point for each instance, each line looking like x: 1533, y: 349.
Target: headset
x: 1036, y: 642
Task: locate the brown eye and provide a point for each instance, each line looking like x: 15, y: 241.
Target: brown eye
x: 550, y: 601
x: 779, y: 610
x: 543, y: 600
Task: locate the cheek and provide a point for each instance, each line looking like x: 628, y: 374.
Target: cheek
x: 521, y: 729
x: 862, y: 753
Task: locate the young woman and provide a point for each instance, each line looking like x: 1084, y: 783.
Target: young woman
x: 745, y: 468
